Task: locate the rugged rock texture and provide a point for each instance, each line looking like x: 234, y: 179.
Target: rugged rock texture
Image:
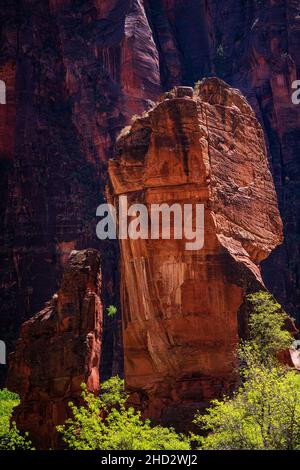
x: 58, y: 349
x: 261, y: 57
x: 76, y: 72
x: 82, y: 69
x: 254, y: 46
x: 181, y: 309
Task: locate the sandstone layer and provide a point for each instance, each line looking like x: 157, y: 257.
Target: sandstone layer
x: 183, y: 310
x: 75, y: 74
x: 58, y: 350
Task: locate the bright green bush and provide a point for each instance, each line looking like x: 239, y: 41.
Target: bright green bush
x: 266, y: 326
x: 104, y: 422
x: 264, y: 413
x: 10, y: 437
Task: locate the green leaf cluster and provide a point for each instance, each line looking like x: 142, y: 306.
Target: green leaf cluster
x: 264, y: 413
x: 111, y: 311
x: 267, y: 326
x: 10, y: 437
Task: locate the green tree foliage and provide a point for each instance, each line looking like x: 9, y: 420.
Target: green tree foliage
x: 266, y: 327
x: 10, y: 437
x: 111, y: 311
x: 264, y: 413
x: 105, y: 423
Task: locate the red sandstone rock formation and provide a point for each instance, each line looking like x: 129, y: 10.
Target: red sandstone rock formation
x: 261, y: 57
x: 76, y: 73
x: 58, y: 349
x: 181, y: 308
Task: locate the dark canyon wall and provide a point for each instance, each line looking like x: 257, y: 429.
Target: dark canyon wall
x: 76, y: 71
x: 58, y: 350
x: 180, y: 306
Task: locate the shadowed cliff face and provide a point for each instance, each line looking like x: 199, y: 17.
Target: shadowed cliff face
x: 180, y: 307
x: 76, y: 72
x: 81, y: 69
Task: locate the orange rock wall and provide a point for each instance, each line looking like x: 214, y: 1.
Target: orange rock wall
x: 181, y: 308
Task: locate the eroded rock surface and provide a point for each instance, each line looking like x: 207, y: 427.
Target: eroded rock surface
x: 76, y: 72
x: 182, y: 310
x: 58, y: 349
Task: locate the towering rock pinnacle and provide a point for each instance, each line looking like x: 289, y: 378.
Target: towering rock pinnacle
x: 182, y: 310
x: 59, y: 348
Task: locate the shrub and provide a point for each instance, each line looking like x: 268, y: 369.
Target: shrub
x: 10, y: 437
x: 105, y: 423
x: 266, y: 328
x: 111, y: 311
x: 264, y: 413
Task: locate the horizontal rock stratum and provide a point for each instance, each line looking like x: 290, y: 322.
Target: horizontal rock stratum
x: 183, y: 311
x: 58, y: 350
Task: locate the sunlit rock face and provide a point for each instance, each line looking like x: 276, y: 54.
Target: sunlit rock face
x: 58, y: 350
x: 76, y: 72
x: 181, y: 308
